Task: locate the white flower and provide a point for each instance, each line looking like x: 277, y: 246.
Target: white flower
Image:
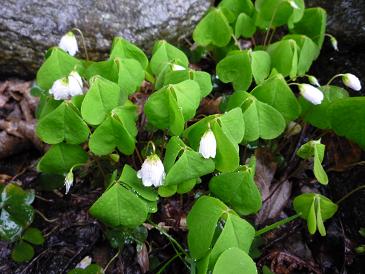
x: 334, y: 43
x: 152, y: 171
x: 351, y: 81
x: 75, y: 83
x: 68, y: 43
x: 69, y: 179
x: 84, y: 263
x: 67, y: 87
x: 208, y: 145
x: 311, y: 94
x: 313, y: 80
x: 176, y: 67
x: 293, y: 4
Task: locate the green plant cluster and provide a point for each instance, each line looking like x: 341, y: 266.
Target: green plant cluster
x: 106, y: 121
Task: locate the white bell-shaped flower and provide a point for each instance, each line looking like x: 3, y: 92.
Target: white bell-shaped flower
x: 60, y: 89
x: 69, y: 179
x: 75, y: 83
x: 311, y: 94
x: 67, y: 87
x: 152, y: 171
x: 68, y: 43
x: 351, y: 81
x: 208, y: 145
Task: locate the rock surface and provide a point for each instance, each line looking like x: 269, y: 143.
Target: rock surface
x: 29, y: 27
x: 346, y: 19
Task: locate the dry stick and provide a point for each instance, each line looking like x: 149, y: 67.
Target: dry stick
x: 350, y: 193
x: 111, y: 260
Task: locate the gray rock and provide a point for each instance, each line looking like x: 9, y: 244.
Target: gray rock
x: 346, y: 19
x: 29, y: 27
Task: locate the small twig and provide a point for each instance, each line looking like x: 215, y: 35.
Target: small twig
x: 111, y: 260
x: 350, y: 193
x: 45, y: 218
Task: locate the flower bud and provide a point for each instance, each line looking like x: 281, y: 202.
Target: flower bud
x: 351, y: 81
x: 68, y: 43
x: 208, y: 145
x: 313, y: 80
x: 311, y: 94
x: 152, y: 171
x: 334, y: 43
x: 293, y: 4
x: 69, y: 179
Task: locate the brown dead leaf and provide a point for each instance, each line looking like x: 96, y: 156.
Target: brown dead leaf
x: 143, y: 259
x: 210, y: 106
x: 274, y: 195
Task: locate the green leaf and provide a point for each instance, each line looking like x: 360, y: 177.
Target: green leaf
x: 101, y: 98
x: 276, y: 92
x: 236, y: 233
x: 318, y: 170
x: 123, y: 49
x: 297, y: 14
x: 347, y: 118
x: 313, y: 25
x: 316, y: 209
x: 227, y: 155
x: 190, y: 165
x: 245, y: 26
x: 120, y: 207
x: 261, y: 120
x: 129, y: 178
x: 307, y: 53
x: 16, y: 212
x: 173, y: 149
x: 284, y: 57
x: 34, y: 236
x: 314, y: 149
x: 63, y: 124
x: 60, y: 158
x: 234, y: 261
x: 167, y: 191
x: 91, y: 269
x: 46, y: 105
x: 59, y: 64
x: 202, y: 221
x: 213, y: 29
x: 237, y: 7
x: 246, y: 199
x: 318, y: 115
x: 277, y: 12
x: 130, y: 75
x: 118, y: 130
x: 235, y: 68
x: 165, y: 107
x: 106, y: 69
x: 22, y: 252
x: 260, y: 65
x: 164, y: 54
x: 186, y: 186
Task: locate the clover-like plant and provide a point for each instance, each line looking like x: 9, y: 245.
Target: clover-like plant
x: 142, y: 113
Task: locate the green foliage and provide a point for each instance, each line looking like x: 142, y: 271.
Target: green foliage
x: 16, y: 211
x: 202, y: 220
x: 315, y: 209
x: 132, y: 105
x: 247, y: 198
x: 315, y: 150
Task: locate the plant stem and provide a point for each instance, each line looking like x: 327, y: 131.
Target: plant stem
x: 237, y: 43
x: 350, y: 193
x: 333, y: 78
x: 83, y: 42
x: 277, y: 224
x: 168, y: 263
